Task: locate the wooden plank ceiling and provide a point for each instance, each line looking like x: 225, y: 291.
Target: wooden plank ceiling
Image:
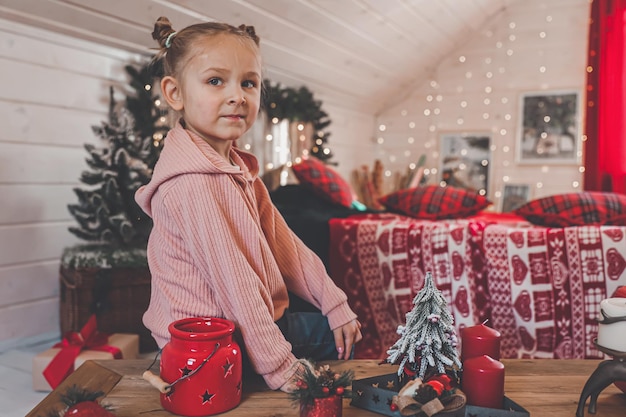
x: 358, y: 54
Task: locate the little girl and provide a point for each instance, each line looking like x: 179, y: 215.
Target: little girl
x: 219, y: 248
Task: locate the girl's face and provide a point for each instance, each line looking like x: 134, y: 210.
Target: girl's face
x: 219, y: 89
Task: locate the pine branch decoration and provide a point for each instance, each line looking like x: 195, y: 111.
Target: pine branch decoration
x: 322, y: 382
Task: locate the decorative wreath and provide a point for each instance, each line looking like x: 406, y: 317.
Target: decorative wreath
x: 295, y: 105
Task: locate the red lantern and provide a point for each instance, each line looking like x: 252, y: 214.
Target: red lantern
x: 202, y: 364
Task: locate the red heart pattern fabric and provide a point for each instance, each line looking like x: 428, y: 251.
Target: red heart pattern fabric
x: 539, y: 287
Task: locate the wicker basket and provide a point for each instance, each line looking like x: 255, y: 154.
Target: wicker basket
x: 118, y: 297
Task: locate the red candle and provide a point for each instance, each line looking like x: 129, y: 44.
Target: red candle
x: 480, y: 340
x: 483, y: 382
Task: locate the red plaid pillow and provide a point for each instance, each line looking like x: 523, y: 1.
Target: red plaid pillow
x: 576, y: 209
x: 323, y: 181
x: 433, y: 202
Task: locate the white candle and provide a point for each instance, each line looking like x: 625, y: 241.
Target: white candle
x: 612, y: 332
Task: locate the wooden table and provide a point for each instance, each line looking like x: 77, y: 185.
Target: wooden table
x: 543, y: 387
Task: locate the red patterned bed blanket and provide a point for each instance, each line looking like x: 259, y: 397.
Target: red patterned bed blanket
x: 540, y: 287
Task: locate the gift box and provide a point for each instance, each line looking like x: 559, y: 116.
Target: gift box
x: 376, y: 394
x: 126, y: 344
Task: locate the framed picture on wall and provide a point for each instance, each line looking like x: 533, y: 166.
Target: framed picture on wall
x: 465, y: 159
x: 549, y: 130
x: 514, y: 196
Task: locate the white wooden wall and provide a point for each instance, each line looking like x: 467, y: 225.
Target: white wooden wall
x: 498, y: 64
x: 53, y: 88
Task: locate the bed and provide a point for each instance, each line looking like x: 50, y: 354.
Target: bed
x: 539, y: 287
x: 536, y: 275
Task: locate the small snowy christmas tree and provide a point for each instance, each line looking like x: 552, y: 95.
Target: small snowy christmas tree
x: 428, y: 341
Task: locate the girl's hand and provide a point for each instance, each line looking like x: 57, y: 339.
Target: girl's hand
x: 345, y: 338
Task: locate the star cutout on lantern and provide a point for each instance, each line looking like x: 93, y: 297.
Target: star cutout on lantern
x: 228, y: 368
x: 359, y: 393
x: 390, y: 384
x: 185, y: 371
x: 206, y: 397
x: 375, y: 385
x: 376, y: 398
x: 389, y: 401
x: 239, y: 387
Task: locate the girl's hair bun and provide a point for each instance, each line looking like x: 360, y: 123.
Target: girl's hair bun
x: 162, y: 30
x: 251, y: 32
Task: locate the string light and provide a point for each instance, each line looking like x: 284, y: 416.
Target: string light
x: 468, y: 86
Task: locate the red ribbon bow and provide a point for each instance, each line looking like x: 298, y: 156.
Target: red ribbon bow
x: 72, y: 344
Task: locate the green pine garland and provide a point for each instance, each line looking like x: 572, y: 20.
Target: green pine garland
x: 298, y: 105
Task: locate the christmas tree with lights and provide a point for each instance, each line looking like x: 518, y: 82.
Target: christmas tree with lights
x: 428, y: 341
x: 107, y: 215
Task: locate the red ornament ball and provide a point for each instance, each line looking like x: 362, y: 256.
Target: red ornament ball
x: 339, y: 390
x: 393, y: 407
x: 325, y: 390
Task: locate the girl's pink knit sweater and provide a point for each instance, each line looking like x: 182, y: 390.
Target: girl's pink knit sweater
x: 220, y: 248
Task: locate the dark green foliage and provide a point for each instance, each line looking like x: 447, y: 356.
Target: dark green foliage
x: 76, y: 394
x: 299, y: 105
x: 106, y: 212
x: 149, y: 118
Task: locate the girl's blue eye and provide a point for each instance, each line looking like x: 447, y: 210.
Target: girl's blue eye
x: 215, y: 81
x: 249, y: 84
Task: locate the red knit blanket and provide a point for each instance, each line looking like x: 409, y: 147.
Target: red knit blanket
x: 540, y: 287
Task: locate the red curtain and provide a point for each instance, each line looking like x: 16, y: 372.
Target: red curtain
x: 605, y: 127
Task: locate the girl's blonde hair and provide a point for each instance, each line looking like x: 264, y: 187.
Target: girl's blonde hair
x: 175, y: 47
